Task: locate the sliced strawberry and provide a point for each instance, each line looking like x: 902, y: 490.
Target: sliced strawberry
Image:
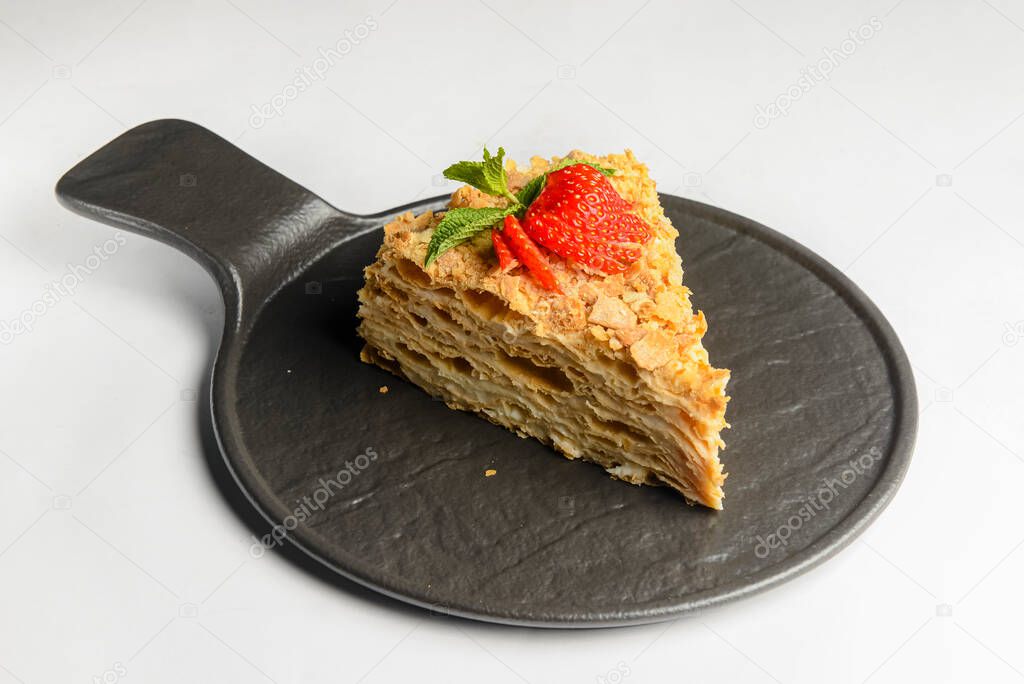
x: 581, y: 217
x: 528, y: 254
x: 505, y: 258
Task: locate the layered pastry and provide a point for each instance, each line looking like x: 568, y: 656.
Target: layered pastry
x: 549, y: 299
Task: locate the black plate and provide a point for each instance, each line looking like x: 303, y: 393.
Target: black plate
x: 823, y: 410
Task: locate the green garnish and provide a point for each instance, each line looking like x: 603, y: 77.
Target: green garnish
x: 459, y: 225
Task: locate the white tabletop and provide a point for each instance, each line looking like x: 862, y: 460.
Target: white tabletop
x: 902, y: 165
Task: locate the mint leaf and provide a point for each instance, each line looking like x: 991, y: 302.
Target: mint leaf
x: 572, y: 162
x: 488, y: 175
x: 459, y: 225
x: 532, y: 189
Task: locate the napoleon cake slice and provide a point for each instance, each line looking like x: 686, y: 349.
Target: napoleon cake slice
x: 549, y: 300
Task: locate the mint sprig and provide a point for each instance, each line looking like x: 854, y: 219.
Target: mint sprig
x: 488, y: 175
x: 459, y: 225
x: 463, y: 223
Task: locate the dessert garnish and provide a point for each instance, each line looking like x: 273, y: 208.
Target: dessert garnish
x: 572, y: 210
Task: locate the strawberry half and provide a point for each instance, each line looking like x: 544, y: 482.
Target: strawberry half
x: 528, y: 254
x: 579, y: 216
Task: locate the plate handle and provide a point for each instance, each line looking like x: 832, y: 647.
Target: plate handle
x: 179, y: 183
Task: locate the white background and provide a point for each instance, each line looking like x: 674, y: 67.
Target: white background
x: 118, y: 556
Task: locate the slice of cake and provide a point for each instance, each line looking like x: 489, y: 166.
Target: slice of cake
x: 549, y: 299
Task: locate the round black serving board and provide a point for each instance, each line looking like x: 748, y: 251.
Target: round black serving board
x: 823, y: 410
